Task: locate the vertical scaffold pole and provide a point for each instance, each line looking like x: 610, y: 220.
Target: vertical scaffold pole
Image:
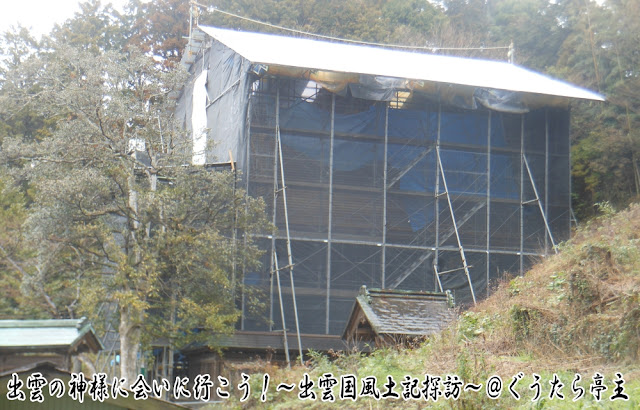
x: 384, y: 198
x: 546, y: 175
x: 286, y: 223
x: 521, y: 194
x: 274, y: 205
x: 284, y: 324
x: 436, y: 197
x: 247, y: 176
x: 439, y: 283
x: 234, y: 233
x: 330, y: 216
x: 488, y: 271
x: 572, y: 216
x: 274, y: 256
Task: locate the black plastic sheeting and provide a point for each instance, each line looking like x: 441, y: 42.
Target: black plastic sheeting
x: 227, y: 90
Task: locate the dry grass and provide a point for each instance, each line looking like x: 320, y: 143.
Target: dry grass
x: 576, y: 312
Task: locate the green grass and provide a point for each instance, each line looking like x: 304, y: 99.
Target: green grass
x: 576, y: 312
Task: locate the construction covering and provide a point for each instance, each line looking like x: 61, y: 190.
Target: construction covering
x: 391, y: 63
x: 414, y: 182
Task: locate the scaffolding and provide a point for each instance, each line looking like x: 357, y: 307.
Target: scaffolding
x: 390, y: 194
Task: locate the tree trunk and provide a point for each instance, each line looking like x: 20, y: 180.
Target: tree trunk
x: 130, y: 333
x: 130, y: 325
x: 170, y: 365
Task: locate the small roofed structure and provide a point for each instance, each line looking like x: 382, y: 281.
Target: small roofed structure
x: 60, y: 341
x: 383, y: 317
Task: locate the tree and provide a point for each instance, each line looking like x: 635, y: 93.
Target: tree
x: 412, y: 21
x: 469, y: 16
x: 96, y: 28
x: 601, y: 52
x: 532, y: 25
x: 115, y: 203
x: 159, y: 27
x: 17, y: 120
x: 12, y: 214
x: 24, y: 277
x: 384, y: 21
x: 34, y: 285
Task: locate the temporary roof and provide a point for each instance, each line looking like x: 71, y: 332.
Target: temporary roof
x: 305, y: 53
x: 396, y: 312
x: 47, y: 334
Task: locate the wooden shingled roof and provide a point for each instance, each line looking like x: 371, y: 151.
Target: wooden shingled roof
x: 389, y: 316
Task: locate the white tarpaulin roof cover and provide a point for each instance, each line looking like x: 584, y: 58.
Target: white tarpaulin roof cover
x: 272, y: 49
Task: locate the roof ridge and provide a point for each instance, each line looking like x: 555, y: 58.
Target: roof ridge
x: 26, y: 323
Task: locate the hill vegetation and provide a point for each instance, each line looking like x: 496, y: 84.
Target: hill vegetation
x: 576, y: 313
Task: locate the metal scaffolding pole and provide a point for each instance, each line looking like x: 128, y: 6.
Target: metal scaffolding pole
x: 435, y: 269
x: 546, y: 175
x: 286, y: 223
x: 436, y: 197
x: 488, y: 271
x: 572, y: 219
x: 330, y: 216
x: 468, y: 249
x: 455, y: 226
x: 572, y: 216
x: 274, y: 257
x: 274, y: 205
x: 521, y: 194
x: 234, y: 233
x: 384, y: 197
x: 247, y: 175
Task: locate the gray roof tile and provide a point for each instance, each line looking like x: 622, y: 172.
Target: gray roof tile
x: 405, y: 312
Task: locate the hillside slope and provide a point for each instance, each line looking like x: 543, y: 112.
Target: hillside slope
x: 577, y: 312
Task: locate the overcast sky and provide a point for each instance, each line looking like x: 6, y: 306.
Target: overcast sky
x: 40, y: 15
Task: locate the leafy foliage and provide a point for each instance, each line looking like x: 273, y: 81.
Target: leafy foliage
x: 115, y: 210
x: 95, y: 28
x: 12, y: 214
x: 158, y: 27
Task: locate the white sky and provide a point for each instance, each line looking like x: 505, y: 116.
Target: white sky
x: 39, y: 16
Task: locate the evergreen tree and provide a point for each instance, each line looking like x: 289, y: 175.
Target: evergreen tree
x: 158, y: 27
x: 116, y: 211
x: 96, y: 27
x: 601, y: 52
